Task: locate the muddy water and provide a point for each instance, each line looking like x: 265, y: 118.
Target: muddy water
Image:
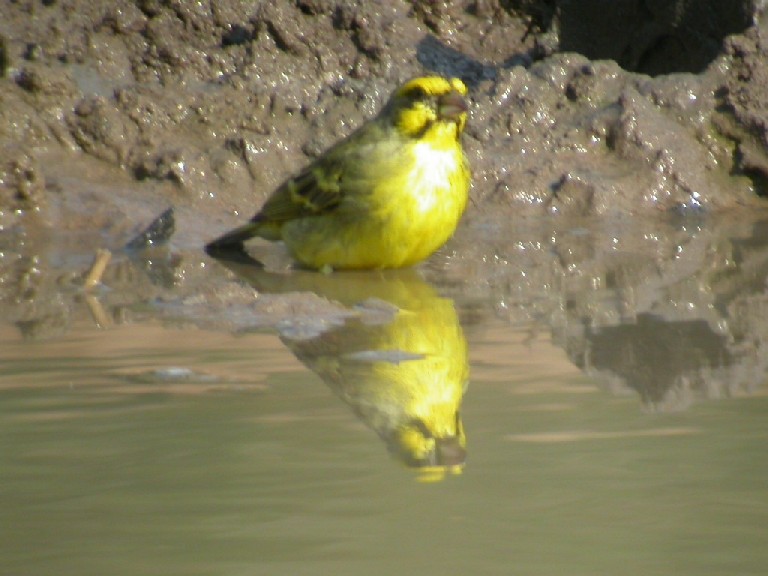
x: 613, y: 421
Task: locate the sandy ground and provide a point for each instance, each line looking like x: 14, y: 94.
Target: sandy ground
x: 608, y: 183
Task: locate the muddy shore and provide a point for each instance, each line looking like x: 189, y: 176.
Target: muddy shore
x: 603, y: 145
x: 221, y: 101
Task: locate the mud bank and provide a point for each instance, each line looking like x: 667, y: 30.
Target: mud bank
x: 223, y: 100
x: 602, y: 197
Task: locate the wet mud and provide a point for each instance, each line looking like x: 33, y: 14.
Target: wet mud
x: 671, y: 311
x: 223, y: 100
x: 604, y: 197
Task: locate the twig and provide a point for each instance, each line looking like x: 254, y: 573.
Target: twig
x: 100, y: 262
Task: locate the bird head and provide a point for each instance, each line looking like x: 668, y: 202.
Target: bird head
x: 429, y: 108
x: 419, y: 446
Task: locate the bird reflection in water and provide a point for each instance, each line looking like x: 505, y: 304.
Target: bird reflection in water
x: 400, y: 362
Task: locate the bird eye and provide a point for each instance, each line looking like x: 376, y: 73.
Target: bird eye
x: 417, y: 93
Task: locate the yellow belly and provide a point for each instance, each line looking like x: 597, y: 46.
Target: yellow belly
x: 402, y: 221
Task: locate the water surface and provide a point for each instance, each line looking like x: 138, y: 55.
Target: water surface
x: 584, y: 442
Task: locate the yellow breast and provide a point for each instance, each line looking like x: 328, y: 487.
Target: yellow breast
x: 413, y: 208
x: 426, y: 210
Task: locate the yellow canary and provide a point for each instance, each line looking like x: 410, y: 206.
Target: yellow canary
x: 387, y: 196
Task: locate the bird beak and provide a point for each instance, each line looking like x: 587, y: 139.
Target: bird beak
x: 451, y: 106
x: 450, y: 452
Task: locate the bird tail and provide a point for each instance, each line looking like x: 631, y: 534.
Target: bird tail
x: 233, y: 240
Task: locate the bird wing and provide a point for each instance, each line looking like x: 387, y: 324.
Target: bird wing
x: 342, y: 174
x: 315, y: 190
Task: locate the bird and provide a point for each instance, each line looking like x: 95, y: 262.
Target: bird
x: 387, y: 196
